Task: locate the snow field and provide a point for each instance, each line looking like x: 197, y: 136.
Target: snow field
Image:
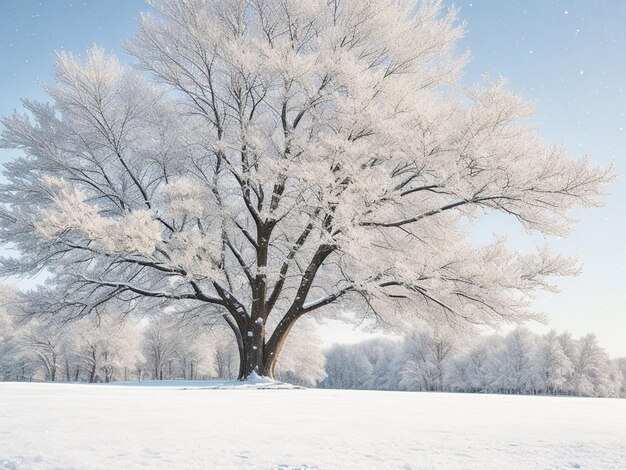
x: 102, y: 426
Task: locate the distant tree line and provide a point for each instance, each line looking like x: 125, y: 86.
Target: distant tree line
x: 110, y: 347
x: 521, y: 362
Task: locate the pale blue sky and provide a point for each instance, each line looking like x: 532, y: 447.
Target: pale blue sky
x: 567, y: 56
x: 570, y: 58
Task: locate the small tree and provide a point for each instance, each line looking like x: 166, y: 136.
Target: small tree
x: 518, y: 368
x: 15, y: 362
x: 282, y: 157
x: 620, y: 364
x: 107, y: 347
x: 347, y: 367
x: 553, y: 365
x: 225, y: 357
x: 593, y: 372
x: 427, y: 353
x: 484, y: 369
x: 160, y: 344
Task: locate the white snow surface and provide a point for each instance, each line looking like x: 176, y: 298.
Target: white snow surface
x: 254, y: 381
x: 102, y: 426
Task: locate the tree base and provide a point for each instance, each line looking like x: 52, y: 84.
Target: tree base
x: 253, y: 377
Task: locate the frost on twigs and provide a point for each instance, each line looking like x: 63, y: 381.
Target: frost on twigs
x: 186, y: 196
x: 135, y: 232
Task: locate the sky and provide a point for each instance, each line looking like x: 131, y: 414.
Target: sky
x: 569, y: 57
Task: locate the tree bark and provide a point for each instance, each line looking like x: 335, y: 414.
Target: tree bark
x: 251, y: 361
x: 256, y: 355
x: 260, y: 356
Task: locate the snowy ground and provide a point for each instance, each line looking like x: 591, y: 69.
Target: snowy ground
x: 100, y: 426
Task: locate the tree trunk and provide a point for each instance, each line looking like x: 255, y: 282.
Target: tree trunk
x: 258, y: 356
x: 252, y: 355
x: 252, y: 361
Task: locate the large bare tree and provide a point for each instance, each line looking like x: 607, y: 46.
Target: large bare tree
x: 269, y: 159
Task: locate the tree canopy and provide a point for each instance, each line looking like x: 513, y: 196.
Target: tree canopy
x: 269, y: 159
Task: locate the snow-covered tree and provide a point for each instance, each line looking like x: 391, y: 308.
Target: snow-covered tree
x: 107, y: 347
x: 592, y: 369
x: 176, y: 350
x: 16, y: 363
x: 518, y: 373
x: 483, y: 367
x: 280, y: 157
x: 347, y: 368
x: 553, y: 367
x: 371, y: 365
x: 226, y: 357
x: 195, y: 354
x: 426, y: 355
x: 159, y: 348
x: 385, y: 357
x: 620, y: 364
x: 48, y: 343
